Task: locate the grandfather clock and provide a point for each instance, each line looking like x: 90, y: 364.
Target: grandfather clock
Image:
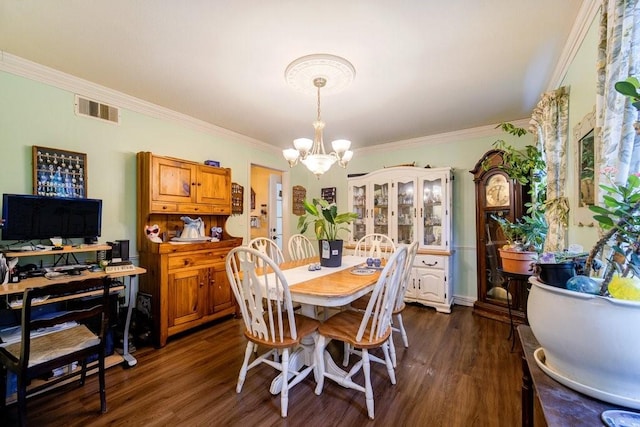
x: 496, y: 195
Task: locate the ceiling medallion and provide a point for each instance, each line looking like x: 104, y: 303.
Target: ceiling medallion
x: 337, y: 72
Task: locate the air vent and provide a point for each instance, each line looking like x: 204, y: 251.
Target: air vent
x: 89, y: 108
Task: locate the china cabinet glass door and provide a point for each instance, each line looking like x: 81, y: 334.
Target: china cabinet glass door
x: 433, y: 211
x: 381, y: 208
x: 359, y: 206
x: 406, y: 211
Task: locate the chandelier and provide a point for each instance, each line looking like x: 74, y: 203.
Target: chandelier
x: 320, y: 71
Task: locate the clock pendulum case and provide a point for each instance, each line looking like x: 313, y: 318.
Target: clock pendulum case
x: 496, y: 195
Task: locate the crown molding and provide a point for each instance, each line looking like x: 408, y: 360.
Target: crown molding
x: 441, y: 138
x: 581, y: 25
x: 34, y: 71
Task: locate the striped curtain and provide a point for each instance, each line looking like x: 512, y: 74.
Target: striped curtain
x: 618, y: 58
x: 549, y: 124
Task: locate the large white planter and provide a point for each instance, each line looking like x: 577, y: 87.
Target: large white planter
x: 589, y: 343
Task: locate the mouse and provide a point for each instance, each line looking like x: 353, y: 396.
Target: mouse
x: 74, y: 272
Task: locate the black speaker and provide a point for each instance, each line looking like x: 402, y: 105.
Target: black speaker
x: 119, y: 251
x: 114, y: 253
x: 124, y: 249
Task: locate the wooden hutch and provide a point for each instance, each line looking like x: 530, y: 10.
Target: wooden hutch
x: 187, y: 281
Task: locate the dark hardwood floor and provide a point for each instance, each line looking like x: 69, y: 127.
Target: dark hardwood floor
x: 457, y: 371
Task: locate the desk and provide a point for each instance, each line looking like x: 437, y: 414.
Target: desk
x: 38, y: 282
x: 561, y: 405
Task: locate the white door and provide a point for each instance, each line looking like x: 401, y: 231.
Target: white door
x: 275, y: 209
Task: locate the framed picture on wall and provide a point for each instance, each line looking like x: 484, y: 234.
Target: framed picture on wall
x: 59, y: 173
x: 237, y: 198
x: 298, y: 195
x: 329, y: 194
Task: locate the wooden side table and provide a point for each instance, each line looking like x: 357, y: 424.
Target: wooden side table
x: 560, y: 405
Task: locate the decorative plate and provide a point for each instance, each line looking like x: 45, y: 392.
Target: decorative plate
x: 363, y: 271
x: 370, y: 267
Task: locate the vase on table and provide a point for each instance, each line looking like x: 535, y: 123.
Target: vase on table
x: 330, y: 253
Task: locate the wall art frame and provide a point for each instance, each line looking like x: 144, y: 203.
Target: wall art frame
x: 298, y: 195
x: 328, y: 194
x: 585, y: 149
x: 237, y: 199
x: 59, y: 173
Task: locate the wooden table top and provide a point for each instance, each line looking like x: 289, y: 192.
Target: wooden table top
x: 331, y: 290
x: 38, y: 282
x: 561, y: 405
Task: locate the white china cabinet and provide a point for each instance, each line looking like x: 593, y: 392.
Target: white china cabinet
x: 408, y: 203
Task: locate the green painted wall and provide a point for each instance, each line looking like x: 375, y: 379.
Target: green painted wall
x: 581, y: 79
x: 34, y: 113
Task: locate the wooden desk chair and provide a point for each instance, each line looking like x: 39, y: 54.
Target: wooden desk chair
x: 34, y: 357
x: 300, y: 247
x: 260, y: 297
x: 375, y: 245
x: 363, y: 330
x: 362, y: 302
x: 269, y: 248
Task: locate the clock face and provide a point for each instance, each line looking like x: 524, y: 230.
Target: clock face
x: 497, y: 191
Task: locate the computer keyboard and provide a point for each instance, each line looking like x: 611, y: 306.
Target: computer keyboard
x: 66, y: 268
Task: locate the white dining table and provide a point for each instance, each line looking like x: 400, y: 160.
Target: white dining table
x: 328, y: 287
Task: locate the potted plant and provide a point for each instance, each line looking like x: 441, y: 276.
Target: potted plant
x: 327, y: 222
x: 526, y: 235
x: 588, y: 332
x: 556, y: 268
x: 525, y: 238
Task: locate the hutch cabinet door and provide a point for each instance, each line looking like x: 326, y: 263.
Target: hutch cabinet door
x: 381, y: 212
x: 405, y: 210
x: 430, y: 284
x: 185, y: 295
x: 358, y: 198
x: 220, y: 295
x: 172, y: 180
x: 435, y: 211
x: 213, y: 186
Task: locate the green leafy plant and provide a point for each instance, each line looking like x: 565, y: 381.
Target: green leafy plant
x: 326, y: 220
x: 520, y: 165
x: 527, y: 233
x: 527, y: 167
x: 620, y: 219
x: 630, y: 88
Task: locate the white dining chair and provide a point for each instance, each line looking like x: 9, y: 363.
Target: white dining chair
x: 375, y: 245
x: 300, y: 247
x: 268, y: 247
x: 364, y: 331
x: 397, y: 325
x: 258, y: 291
